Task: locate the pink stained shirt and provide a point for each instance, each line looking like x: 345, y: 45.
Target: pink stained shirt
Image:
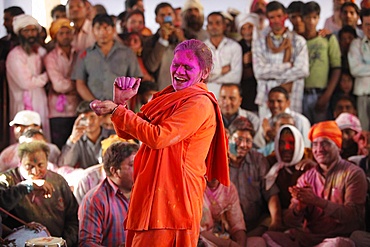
x: 62, y: 96
x: 26, y: 81
x: 344, y: 188
x: 85, y: 38
x: 222, y: 203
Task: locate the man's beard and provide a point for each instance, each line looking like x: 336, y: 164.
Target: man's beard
x: 194, y: 22
x: 29, y: 44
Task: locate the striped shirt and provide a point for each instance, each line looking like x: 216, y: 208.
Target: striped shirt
x: 101, y: 215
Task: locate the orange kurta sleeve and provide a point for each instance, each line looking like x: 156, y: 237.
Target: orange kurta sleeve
x: 181, y: 124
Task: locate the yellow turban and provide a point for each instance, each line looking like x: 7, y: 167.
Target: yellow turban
x: 328, y: 129
x: 106, y: 143
x: 57, y: 25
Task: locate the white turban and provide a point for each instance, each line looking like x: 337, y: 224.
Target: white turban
x: 243, y: 18
x: 22, y: 21
x: 193, y: 4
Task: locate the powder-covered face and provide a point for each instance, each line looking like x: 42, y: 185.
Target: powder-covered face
x: 185, y: 70
x: 286, y: 146
x: 277, y: 20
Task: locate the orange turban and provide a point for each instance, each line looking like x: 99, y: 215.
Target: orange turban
x: 57, y: 25
x: 328, y: 129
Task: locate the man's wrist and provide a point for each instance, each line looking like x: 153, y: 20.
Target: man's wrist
x: 28, y: 184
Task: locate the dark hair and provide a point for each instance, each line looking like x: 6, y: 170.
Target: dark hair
x: 274, y: 5
x: 242, y: 124
x: 295, y: 7
x: 116, y: 154
x: 286, y: 130
x: 83, y: 107
x: 14, y: 10
x: 100, y: 9
x: 279, y: 89
x: 233, y: 85
x: 134, y: 12
x: 364, y: 12
x: 32, y: 147
x: 217, y: 13
x: 347, y: 29
x: 350, y: 4
x: 122, y: 16
x: 130, y: 3
x: 103, y: 18
x: 83, y: 1
x: 146, y: 86
x: 29, y: 133
x: 162, y: 5
x: 311, y: 7
x: 346, y: 98
x: 201, y: 51
x: 60, y: 8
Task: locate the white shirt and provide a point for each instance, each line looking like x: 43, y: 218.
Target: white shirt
x: 359, y: 65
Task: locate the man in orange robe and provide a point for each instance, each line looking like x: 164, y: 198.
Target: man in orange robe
x: 183, y: 143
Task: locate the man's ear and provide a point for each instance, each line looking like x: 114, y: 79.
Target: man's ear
x: 113, y: 171
x: 205, y: 73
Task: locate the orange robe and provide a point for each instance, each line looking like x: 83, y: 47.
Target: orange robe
x: 183, y: 140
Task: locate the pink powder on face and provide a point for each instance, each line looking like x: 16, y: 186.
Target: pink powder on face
x: 185, y: 69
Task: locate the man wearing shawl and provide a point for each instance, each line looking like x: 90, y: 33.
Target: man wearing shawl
x: 330, y: 197
x: 183, y: 140
x: 289, y: 151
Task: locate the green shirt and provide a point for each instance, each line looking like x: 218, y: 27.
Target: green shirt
x: 324, y: 54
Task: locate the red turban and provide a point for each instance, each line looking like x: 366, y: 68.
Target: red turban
x: 328, y: 129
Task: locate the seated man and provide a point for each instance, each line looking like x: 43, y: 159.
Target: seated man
x: 247, y: 171
x: 353, y: 140
x: 220, y: 224
x: 83, y: 147
x: 104, y: 208
x: 289, y: 151
x: 230, y: 100
x: 278, y: 102
x: 54, y: 207
x: 23, y: 121
x: 344, y: 104
x: 330, y: 197
x: 95, y: 174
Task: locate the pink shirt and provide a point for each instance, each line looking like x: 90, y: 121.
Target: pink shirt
x: 222, y: 204
x: 344, y: 188
x: 85, y: 38
x: 26, y: 81
x: 62, y: 96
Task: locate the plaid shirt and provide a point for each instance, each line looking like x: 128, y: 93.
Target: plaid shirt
x: 101, y: 215
x: 270, y: 71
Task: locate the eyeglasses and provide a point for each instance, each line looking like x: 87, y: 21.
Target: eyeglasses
x: 241, y: 140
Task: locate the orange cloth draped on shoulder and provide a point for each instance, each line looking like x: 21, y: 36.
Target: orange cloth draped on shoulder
x: 183, y: 141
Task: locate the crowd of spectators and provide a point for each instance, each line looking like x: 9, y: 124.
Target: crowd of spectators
x: 295, y: 105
